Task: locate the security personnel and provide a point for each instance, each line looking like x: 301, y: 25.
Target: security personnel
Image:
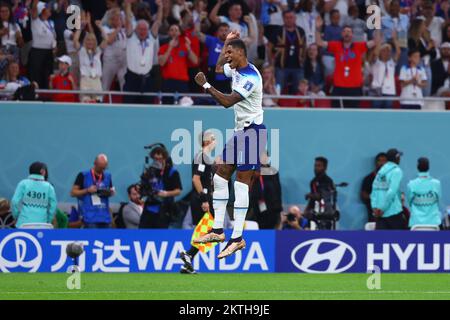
x: 386, y: 196
x: 201, y: 196
x: 423, y: 195
x: 34, y: 200
x: 93, y: 189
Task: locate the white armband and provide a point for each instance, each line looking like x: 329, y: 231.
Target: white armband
x: 206, y: 86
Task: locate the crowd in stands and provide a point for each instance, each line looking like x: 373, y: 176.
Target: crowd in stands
x: 302, y: 47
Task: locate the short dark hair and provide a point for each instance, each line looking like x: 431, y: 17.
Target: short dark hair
x: 183, y: 13
x: 427, y: 4
x: 412, y: 51
x: 380, y: 155
x: 347, y: 26
x: 423, y: 164
x: 131, y: 187
x: 175, y: 24
x: 239, y: 44
x: 323, y: 160
x: 159, y: 150
x: 285, y: 12
x: 352, y: 8
x: 334, y: 11
x: 36, y: 167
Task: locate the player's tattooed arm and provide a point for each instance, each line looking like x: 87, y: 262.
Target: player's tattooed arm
x: 226, y: 100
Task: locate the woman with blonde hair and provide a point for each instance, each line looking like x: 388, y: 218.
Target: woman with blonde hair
x: 114, y: 55
x: 90, y: 65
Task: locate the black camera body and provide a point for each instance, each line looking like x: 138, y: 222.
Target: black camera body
x: 149, y: 185
x: 323, y: 210
x: 104, y: 192
x: 290, y: 217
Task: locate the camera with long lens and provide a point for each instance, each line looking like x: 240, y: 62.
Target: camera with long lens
x: 149, y: 186
x: 324, y: 212
x: 151, y: 183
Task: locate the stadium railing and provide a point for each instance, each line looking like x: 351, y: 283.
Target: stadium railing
x: 443, y: 101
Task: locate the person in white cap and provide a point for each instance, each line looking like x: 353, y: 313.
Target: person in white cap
x: 440, y: 69
x: 63, y: 80
x: 40, y: 65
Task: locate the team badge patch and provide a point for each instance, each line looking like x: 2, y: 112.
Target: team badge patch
x: 248, y: 86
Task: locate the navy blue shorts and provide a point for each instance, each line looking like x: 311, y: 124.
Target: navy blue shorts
x: 245, y: 147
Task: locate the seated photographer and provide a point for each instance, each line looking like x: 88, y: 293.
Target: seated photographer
x: 160, y: 184
x: 93, y: 188
x: 294, y: 220
x: 321, y: 205
x: 132, y: 211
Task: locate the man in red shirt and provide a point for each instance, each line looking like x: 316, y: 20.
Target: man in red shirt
x: 173, y: 59
x: 348, y: 56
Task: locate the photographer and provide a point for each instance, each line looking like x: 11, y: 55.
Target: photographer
x: 93, y: 189
x: 294, y: 220
x: 322, y: 197
x: 160, y: 184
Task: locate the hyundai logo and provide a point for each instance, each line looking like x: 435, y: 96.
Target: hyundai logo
x: 323, y: 256
x: 22, y: 242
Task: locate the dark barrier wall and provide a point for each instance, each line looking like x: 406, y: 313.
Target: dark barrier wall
x: 68, y: 137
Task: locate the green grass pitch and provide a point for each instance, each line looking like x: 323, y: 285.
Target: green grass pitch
x: 223, y: 286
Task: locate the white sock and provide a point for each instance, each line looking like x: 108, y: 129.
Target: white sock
x: 220, y: 200
x: 240, y: 208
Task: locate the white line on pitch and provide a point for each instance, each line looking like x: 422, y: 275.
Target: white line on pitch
x: 225, y: 292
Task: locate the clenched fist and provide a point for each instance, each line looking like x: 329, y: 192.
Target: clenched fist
x: 200, y: 79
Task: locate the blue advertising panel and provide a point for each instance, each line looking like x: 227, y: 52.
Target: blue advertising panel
x: 127, y: 251
x: 359, y: 251
x: 266, y: 251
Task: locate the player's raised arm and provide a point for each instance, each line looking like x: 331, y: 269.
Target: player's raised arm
x: 226, y: 100
x: 222, y: 59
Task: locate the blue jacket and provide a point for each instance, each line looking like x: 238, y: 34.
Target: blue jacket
x: 386, y: 194
x: 90, y: 211
x: 423, y: 195
x: 34, y: 201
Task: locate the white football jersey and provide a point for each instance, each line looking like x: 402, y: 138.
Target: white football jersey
x: 248, y: 83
